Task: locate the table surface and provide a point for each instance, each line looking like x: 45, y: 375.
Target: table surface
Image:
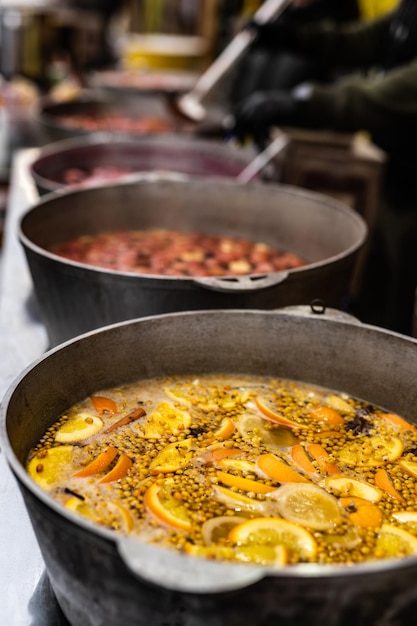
x: 22, y: 340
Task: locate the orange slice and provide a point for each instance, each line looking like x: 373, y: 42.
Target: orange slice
x: 237, y: 501
x: 245, y: 484
x: 394, y: 542
x: 329, y: 434
x: 409, y: 467
x: 327, y: 415
x: 226, y: 430
x: 99, y: 464
x: 215, y: 455
x: 274, y: 531
x: 165, y: 420
x: 371, y: 451
x: 301, y: 458
x: 123, y: 515
x: 173, y: 457
x: 104, y: 406
x: 347, y: 486
x: 162, y: 502
x: 322, y: 457
x: 362, y: 512
x: 278, y: 470
x: 78, y: 428
x: 49, y: 467
x: 396, y: 420
x: 119, y: 471
x: 384, y: 482
x: 273, y: 416
x: 308, y: 505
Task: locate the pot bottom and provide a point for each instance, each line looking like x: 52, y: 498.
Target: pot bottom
x: 94, y: 587
x: 269, y: 605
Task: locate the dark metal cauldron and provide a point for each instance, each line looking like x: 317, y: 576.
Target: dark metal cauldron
x: 101, y: 578
x: 76, y: 298
x: 186, y: 155
x: 95, y: 105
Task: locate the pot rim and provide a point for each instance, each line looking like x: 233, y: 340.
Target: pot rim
x: 64, y: 148
x: 245, y: 574
x: 183, y: 179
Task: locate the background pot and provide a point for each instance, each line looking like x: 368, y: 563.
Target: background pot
x: 102, y: 579
x: 191, y: 156
x: 95, y: 104
x: 75, y: 298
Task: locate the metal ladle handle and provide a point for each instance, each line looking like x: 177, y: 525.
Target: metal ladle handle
x: 263, y: 158
x: 190, y: 104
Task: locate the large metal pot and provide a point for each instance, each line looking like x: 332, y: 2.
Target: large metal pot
x: 75, y: 298
x: 51, y: 114
x: 186, y: 155
x: 104, y: 579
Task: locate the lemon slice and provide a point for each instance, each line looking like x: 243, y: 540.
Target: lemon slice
x: 79, y: 427
x: 371, y: 451
x: 308, y: 505
x: 410, y: 467
x: 407, y: 517
x: 339, y: 404
x: 224, y: 553
x: 162, y: 501
x: 175, y: 456
x: 394, y: 542
x: 253, y: 427
x: 274, y: 531
x: 239, y: 465
x: 277, y: 556
x: 49, y: 467
x: 80, y: 507
x: 166, y: 420
x: 218, y: 528
x: 348, y: 540
x: 178, y: 394
x: 346, y: 486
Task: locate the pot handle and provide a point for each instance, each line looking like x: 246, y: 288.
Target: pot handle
x: 242, y: 283
x: 318, y: 308
x: 179, y: 572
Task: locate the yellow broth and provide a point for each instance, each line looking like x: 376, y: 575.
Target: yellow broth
x: 238, y: 468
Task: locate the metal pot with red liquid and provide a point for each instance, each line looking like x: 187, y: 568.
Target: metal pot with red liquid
x: 98, y: 158
x: 76, y: 297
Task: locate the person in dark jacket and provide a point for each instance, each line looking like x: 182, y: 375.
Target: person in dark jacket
x: 378, y: 96
x: 266, y: 68
x: 383, y: 103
